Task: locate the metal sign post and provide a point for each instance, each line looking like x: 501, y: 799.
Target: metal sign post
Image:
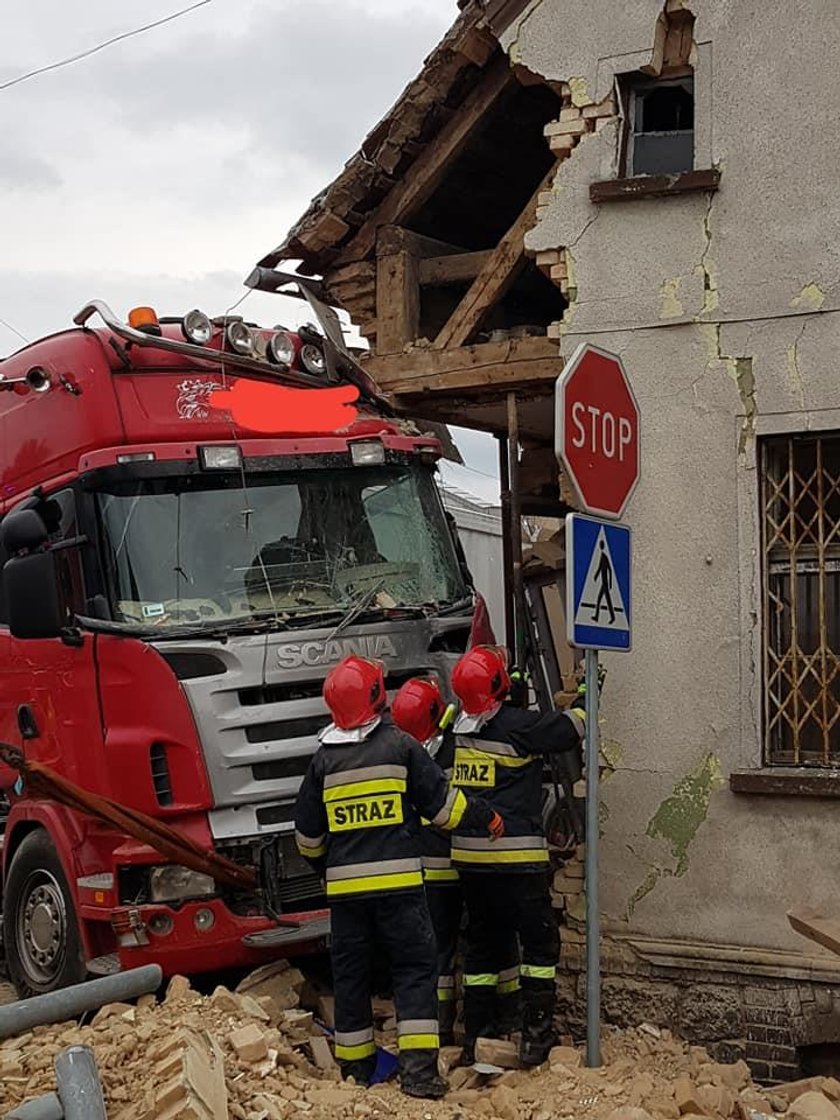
x: 598, y: 616
x: 593, y: 919
x: 596, y: 439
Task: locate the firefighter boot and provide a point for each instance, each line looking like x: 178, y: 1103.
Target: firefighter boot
x: 419, y: 1075
x: 537, y: 1028
x: 361, y: 1070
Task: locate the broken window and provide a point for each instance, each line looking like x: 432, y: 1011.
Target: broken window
x: 659, y: 126
x: 800, y: 503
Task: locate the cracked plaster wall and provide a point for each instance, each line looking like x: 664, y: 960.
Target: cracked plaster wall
x: 765, y: 246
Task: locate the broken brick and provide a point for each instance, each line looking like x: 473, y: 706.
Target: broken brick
x: 564, y: 1056
x: 813, y: 1106
x: 322, y: 1055
x: 249, y: 1043
x: 497, y: 1052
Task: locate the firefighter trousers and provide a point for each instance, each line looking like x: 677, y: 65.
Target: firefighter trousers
x: 501, y: 905
x: 446, y: 906
x: 398, y: 923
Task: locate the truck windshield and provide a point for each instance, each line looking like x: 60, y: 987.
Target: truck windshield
x: 208, y: 548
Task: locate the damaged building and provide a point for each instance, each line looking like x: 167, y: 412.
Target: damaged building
x: 659, y: 179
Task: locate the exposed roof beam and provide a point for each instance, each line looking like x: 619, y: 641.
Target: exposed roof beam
x: 496, y: 276
x: 428, y: 169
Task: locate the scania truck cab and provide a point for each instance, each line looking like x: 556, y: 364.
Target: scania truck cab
x: 179, y: 573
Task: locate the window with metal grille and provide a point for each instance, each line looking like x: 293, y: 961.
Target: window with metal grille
x: 800, y: 503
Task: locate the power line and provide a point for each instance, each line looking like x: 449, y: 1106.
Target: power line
x: 14, y: 330
x: 101, y: 46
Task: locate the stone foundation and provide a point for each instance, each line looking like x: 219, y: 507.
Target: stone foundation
x: 764, y: 1006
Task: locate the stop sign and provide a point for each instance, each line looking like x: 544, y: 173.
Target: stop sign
x: 596, y: 431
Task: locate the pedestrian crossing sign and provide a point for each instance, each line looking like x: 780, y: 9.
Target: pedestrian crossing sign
x: 598, y: 595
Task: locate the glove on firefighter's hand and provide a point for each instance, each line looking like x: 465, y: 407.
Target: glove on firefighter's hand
x: 518, y: 695
x: 496, y: 826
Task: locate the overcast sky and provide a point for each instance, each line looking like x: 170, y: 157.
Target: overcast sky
x: 160, y: 169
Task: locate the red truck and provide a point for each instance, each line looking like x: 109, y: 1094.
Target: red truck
x: 178, y: 575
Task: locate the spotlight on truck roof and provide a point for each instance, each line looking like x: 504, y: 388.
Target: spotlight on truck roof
x: 281, y: 348
x: 241, y: 338
x: 197, y: 328
x: 312, y: 359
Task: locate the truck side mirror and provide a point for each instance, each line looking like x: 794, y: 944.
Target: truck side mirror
x: 33, y: 602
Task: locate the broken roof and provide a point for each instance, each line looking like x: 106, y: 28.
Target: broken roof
x: 388, y: 151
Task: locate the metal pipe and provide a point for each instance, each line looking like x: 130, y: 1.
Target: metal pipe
x: 507, y: 560
x: 79, y: 1088
x: 516, y: 530
x: 593, y: 933
x: 69, y: 1003
x: 47, y: 1107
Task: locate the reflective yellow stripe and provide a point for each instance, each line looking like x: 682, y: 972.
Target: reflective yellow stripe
x: 523, y: 855
x: 311, y: 853
x: 445, y: 994
x: 538, y: 971
x: 459, y: 807
x: 374, y: 883
x: 440, y: 874
x: 481, y: 979
x: 418, y: 1041
x: 364, y: 789
x: 506, y: 986
x: 353, y: 1053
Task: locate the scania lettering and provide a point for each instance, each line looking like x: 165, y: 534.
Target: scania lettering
x: 177, y: 582
x: 292, y: 655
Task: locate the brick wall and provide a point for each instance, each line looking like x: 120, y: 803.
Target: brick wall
x: 764, y: 1019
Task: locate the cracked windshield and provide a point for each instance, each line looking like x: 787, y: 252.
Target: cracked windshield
x: 205, y: 549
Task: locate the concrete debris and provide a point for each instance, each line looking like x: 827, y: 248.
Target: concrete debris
x: 200, y: 1058
x: 813, y: 1106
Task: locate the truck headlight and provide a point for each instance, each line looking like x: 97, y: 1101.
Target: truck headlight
x: 281, y: 349
x: 171, y: 883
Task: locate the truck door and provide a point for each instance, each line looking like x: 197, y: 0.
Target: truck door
x: 48, y: 691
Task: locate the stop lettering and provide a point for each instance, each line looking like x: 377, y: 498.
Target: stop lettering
x: 597, y: 430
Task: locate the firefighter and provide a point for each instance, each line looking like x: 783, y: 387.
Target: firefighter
x: 357, y: 820
x: 420, y: 710
x: 499, y: 753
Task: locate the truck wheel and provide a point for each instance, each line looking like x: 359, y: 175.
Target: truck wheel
x: 40, y: 930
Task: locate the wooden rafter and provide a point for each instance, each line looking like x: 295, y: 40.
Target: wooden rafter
x: 497, y: 274
x: 489, y: 364
x: 431, y: 165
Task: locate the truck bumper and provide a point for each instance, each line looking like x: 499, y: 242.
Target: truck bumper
x: 204, y: 936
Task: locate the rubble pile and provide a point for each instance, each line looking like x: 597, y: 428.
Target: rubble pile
x: 254, y: 1054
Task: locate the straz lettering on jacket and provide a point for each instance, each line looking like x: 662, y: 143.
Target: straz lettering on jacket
x: 365, y: 812
x: 473, y: 769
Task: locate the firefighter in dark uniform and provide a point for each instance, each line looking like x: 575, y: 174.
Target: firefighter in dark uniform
x: 357, y: 819
x: 419, y: 709
x: 499, y: 753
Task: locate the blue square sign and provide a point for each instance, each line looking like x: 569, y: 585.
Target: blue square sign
x: 598, y: 590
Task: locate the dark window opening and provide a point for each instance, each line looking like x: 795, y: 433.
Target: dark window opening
x: 800, y: 510
x: 820, y: 1060
x: 659, y: 126
x: 484, y: 192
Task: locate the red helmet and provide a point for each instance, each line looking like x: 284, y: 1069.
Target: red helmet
x: 418, y: 708
x: 480, y: 679
x: 354, y: 691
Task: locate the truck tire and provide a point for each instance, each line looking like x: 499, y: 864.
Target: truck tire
x: 41, y: 937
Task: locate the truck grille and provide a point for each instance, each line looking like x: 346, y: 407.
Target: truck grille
x: 259, y: 721
x: 160, y: 774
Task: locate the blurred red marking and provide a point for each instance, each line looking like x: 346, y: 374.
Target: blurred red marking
x: 277, y: 408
